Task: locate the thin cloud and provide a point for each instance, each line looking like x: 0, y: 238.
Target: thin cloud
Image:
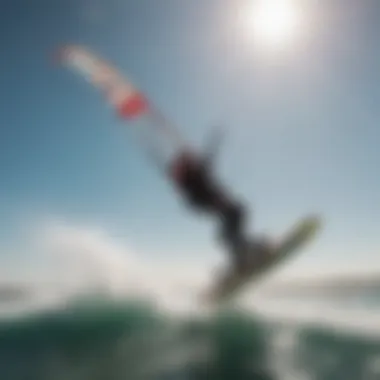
x: 88, y: 257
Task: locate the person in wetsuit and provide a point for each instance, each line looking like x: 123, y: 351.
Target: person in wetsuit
x: 192, y: 177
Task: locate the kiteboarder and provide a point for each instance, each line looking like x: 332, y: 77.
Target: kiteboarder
x: 192, y: 176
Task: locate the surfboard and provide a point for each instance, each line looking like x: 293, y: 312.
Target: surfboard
x: 233, y: 282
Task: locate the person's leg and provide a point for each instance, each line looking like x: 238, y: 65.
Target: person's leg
x: 232, y: 233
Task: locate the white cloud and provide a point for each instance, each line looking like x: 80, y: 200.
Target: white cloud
x: 82, y: 256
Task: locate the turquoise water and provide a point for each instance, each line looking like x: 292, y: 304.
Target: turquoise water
x: 133, y: 340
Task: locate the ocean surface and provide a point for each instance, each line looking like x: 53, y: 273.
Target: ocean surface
x: 100, y: 338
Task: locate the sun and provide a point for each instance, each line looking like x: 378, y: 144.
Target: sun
x: 274, y: 23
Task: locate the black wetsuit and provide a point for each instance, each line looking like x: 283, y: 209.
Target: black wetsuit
x: 193, y: 179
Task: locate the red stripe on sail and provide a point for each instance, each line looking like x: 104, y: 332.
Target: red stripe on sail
x: 133, y: 106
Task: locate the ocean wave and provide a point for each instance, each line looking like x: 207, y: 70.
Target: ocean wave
x: 100, y: 338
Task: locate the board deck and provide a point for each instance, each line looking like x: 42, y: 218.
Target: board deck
x: 294, y: 239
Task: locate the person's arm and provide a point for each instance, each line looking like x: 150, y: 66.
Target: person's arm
x: 212, y: 147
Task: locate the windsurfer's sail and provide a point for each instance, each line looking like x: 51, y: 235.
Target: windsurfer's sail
x: 120, y: 92
x: 129, y: 103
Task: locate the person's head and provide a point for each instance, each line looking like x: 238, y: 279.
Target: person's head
x: 181, y: 164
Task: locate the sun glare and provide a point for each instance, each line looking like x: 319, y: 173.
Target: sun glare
x: 273, y: 22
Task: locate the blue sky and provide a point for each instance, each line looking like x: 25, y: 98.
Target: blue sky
x: 302, y: 126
